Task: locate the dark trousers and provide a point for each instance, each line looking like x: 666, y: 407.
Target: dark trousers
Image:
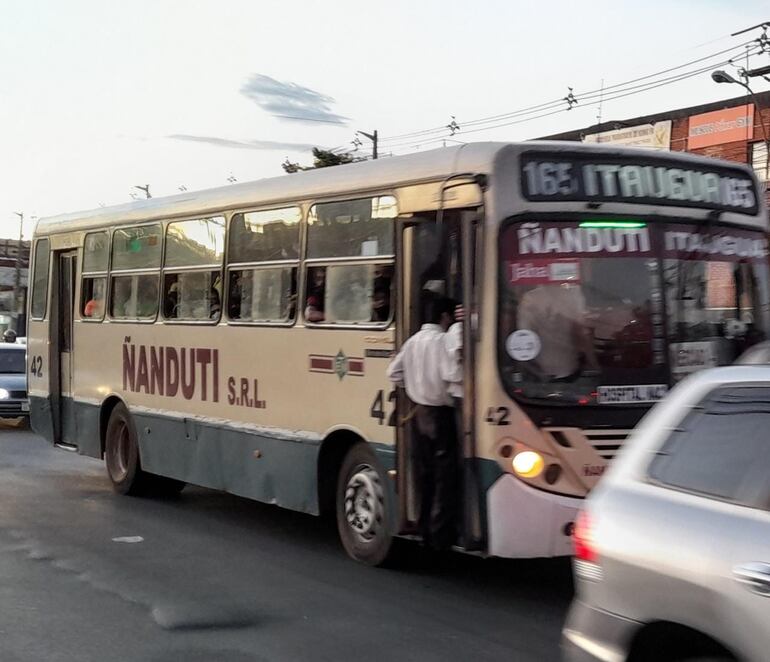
x: 436, y: 471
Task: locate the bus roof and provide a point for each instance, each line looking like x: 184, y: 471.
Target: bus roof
x: 432, y: 165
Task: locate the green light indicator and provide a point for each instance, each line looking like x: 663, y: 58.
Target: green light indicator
x: 613, y: 224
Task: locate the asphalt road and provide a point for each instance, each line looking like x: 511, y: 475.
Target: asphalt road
x: 88, y: 575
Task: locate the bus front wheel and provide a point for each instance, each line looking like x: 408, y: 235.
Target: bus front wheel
x: 121, y: 453
x: 362, y: 513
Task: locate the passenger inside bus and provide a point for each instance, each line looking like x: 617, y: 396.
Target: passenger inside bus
x: 235, y: 295
x: 171, y: 304
x: 215, y: 305
x: 93, y: 291
x: 557, y: 315
x: 93, y: 308
x: 381, y: 304
x: 316, y: 295
x: 383, y: 276
x: 147, y: 297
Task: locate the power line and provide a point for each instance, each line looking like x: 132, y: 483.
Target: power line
x: 582, y: 96
x: 619, y: 94
x: 616, y: 91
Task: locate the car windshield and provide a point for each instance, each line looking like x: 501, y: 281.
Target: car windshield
x: 12, y: 362
x: 584, y: 319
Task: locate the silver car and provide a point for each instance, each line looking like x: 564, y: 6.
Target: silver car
x: 672, y: 550
x: 14, y: 402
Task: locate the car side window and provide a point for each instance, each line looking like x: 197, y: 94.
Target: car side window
x: 721, y: 450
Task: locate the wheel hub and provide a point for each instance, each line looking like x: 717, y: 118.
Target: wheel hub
x: 364, y: 502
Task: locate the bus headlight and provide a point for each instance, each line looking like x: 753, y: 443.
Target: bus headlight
x: 528, y: 464
x: 4, y: 395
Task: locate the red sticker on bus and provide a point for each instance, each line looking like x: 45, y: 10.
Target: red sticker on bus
x: 543, y: 272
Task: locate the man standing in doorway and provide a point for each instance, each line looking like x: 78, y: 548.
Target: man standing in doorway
x: 420, y: 366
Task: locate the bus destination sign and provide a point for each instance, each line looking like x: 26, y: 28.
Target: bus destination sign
x: 594, y: 178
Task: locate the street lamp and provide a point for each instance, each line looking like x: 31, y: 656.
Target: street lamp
x: 721, y: 76
x: 17, y: 276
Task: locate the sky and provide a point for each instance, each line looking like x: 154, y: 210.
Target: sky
x: 98, y: 97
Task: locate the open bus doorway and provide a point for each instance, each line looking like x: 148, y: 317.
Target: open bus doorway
x: 436, y: 260
x: 61, y: 330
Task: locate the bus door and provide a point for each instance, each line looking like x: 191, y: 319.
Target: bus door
x: 431, y: 261
x: 63, y: 305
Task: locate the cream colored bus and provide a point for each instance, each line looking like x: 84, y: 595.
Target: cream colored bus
x: 238, y: 338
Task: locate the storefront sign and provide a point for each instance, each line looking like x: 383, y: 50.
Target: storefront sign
x: 721, y: 126
x: 560, y: 177
x: 650, y: 136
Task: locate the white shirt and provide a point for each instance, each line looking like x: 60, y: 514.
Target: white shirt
x: 554, y: 312
x: 421, y: 365
x: 453, y: 372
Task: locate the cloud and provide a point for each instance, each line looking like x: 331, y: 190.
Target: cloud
x: 245, y: 144
x: 291, y: 101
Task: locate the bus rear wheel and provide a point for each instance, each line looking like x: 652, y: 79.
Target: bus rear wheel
x: 121, y: 454
x: 363, y: 520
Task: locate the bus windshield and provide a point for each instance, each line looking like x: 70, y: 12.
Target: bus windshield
x: 603, y: 313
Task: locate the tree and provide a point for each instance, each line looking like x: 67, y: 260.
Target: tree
x: 322, y: 158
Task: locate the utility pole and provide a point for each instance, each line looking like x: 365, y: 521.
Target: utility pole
x: 17, y: 276
x: 373, y: 138
x: 146, y: 189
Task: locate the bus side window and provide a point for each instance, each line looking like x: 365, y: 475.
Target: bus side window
x: 40, y: 280
x: 358, y: 235
x: 193, y: 295
x: 263, y: 295
x: 134, y: 297
x: 349, y: 294
x: 93, y: 290
x: 93, y: 296
x: 264, y: 249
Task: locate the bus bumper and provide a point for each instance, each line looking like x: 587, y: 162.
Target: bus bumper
x: 523, y: 522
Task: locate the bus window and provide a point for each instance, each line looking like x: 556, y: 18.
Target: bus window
x: 349, y: 294
x: 40, y: 280
x: 95, y: 252
x: 93, y: 290
x: 93, y: 296
x: 134, y: 296
x: 192, y: 295
x: 352, y: 228
x: 194, y: 243
x: 263, y: 295
x: 262, y: 236
x: 136, y: 247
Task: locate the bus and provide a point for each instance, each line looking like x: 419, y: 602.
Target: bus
x: 238, y: 338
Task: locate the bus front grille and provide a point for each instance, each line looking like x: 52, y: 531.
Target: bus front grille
x: 606, y: 442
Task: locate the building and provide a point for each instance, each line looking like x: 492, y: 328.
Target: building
x: 734, y: 129
x: 11, y: 317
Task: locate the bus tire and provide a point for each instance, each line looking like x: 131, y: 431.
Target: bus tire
x: 121, y: 454
x: 363, y: 520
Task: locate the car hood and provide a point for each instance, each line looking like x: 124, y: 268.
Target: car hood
x: 13, y: 382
